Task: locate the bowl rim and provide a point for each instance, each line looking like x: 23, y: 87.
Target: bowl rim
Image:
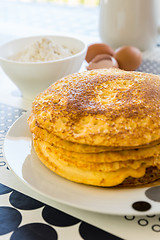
x: 43, y: 36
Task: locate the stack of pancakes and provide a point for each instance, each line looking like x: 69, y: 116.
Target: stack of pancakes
x: 100, y: 127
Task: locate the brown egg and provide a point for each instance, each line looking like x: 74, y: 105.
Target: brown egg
x: 102, y: 61
x: 96, y: 49
x: 129, y: 58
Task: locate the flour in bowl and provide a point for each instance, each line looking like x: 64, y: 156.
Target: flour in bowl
x: 41, y: 50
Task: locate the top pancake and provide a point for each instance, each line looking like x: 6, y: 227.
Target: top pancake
x: 104, y: 107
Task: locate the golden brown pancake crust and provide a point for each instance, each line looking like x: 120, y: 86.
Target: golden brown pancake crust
x: 101, y: 107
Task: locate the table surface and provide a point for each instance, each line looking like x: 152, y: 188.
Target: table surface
x: 24, y: 212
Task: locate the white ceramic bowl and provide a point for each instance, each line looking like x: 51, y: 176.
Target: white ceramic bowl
x: 34, y: 77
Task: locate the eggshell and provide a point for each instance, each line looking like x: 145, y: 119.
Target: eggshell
x: 102, y: 61
x: 96, y: 49
x: 129, y: 58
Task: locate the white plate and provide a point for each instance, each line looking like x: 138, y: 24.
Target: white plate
x: 24, y: 162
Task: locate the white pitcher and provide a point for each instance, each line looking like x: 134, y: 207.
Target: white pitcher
x: 129, y: 22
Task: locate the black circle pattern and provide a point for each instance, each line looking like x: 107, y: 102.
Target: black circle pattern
x: 10, y: 219
x: 141, y: 206
x: 89, y: 232
x: 153, y: 193
x: 156, y: 228
x: 24, y: 202
x: 4, y: 189
x: 34, y: 231
x: 2, y: 163
x: 58, y: 218
x: 129, y: 218
x: 151, y: 216
x: 143, y: 222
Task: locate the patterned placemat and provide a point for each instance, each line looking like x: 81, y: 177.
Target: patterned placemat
x: 22, y: 217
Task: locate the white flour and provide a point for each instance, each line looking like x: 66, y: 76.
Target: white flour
x: 41, y: 50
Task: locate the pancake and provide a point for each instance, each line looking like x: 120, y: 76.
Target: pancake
x: 96, y: 162
x: 83, y: 148
x: 106, y: 156
x: 100, y: 127
x: 105, y: 176
x: 106, y: 107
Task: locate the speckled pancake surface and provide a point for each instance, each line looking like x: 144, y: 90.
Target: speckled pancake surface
x: 101, y: 107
